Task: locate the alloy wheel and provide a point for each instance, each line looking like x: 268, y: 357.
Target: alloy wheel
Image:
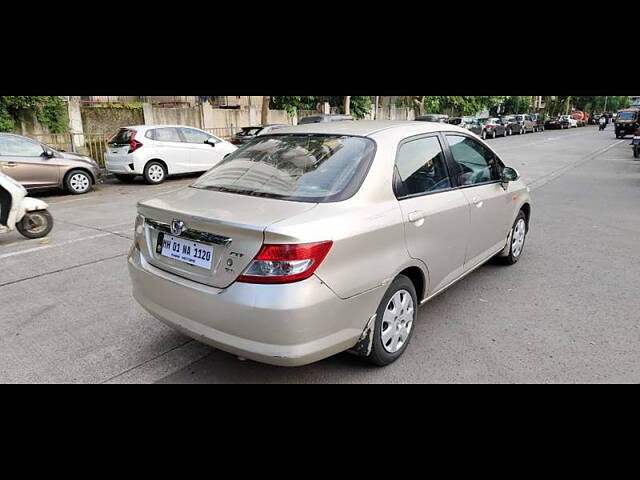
x: 517, y: 242
x: 397, y: 321
x: 156, y: 173
x: 79, y: 182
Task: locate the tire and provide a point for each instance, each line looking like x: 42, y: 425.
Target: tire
x: 155, y: 173
x: 386, y: 347
x: 125, y: 178
x: 522, y: 131
x: 36, y: 224
x: 517, y: 240
x: 493, y: 134
x: 484, y: 134
x: 78, y: 182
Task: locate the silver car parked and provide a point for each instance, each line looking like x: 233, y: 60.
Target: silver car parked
x: 326, y: 237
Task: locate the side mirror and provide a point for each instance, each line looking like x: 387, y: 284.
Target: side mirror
x: 48, y: 153
x: 211, y: 141
x: 509, y: 175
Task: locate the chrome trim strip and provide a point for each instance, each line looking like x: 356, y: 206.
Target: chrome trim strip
x: 191, y: 234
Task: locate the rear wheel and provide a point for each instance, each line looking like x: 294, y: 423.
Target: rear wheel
x: 78, y: 182
x: 484, y: 134
x: 493, y: 134
x: 36, y: 224
x: 395, y: 320
x: 155, y: 173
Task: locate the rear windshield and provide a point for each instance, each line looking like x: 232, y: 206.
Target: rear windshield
x: 456, y: 121
x: 121, y: 137
x: 626, y: 116
x: 304, y: 168
x: 250, y: 131
x: 519, y: 117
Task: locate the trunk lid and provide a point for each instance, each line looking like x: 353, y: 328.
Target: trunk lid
x: 232, y: 224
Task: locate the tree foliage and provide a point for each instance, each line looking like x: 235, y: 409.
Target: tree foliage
x: 360, y: 106
x: 49, y: 111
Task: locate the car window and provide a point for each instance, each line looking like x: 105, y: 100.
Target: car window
x: 19, y: 147
x: 297, y: 167
x: 474, y: 162
x: 191, y: 135
x: 166, y: 135
x: 421, y: 166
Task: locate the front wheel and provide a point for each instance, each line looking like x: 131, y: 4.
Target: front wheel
x: 395, y: 319
x: 78, y: 182
x: 517, y: 238
x: 36, y: 224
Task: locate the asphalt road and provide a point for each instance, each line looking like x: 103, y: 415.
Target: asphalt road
x: 569, y: 311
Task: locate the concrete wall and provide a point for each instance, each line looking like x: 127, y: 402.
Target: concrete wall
x: 190, y: 116
x: 234, y: 118
x: 108, y: 120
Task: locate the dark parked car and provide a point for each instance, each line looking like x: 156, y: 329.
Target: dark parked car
x: 510, y: 124
x: 433, y: 117
x: 556, y: 123
x: 324, y: 118
x: 492, y: 127
x: 248, y: 133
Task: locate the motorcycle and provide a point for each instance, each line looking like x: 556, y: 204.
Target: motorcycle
x: 18, y: 212
x: 635, y: 143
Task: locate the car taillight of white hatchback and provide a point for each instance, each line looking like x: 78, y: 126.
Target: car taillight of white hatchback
x: 276, y: 263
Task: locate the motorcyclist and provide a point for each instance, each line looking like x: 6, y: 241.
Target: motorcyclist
x: 603, y: 122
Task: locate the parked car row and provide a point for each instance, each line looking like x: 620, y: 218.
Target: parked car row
x: 492, y: 127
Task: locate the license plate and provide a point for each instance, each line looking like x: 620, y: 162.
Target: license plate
x: 184, y: 250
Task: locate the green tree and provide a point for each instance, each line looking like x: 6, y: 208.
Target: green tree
x: 49, y: 111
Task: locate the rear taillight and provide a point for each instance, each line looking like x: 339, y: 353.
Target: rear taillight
x: 285, y: 263
x: 134, y: 144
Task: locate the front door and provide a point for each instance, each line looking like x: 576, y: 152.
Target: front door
x: 436, y: 215
x: 23, y: 160
x: 203, y: 155
x: 172, y: 150
x: 478, y: 174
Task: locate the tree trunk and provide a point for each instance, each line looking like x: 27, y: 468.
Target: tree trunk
x: 347, y: 105
x: 264, y: 118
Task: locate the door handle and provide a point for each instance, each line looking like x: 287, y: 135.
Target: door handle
x: 416, y: 216
x: 10, y: 164
x: 477, y: 202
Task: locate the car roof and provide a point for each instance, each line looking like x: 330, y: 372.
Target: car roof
x: 366, y: 128
x: 146, y: 127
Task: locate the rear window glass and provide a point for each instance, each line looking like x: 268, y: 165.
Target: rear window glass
x: 250, y: 131
x: 306, y: 168
x: 121, y: 137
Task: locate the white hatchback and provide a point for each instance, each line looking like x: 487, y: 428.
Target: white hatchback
x: 157, y: 151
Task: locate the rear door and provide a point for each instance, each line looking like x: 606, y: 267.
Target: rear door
x: 477, y: 171
x: 23, y: 159
x: 170, y: 147
x: 202, y: 155
x: 436, y: 215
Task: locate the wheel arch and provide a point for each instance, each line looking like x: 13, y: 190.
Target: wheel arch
x: 419, y: 279
x: 159, y: 160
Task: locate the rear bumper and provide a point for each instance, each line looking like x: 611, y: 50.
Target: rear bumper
x: 289, y: 325
x: 121, y: 164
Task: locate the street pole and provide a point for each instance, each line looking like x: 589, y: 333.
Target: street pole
x: 605, y: 104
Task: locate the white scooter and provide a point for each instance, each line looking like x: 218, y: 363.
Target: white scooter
x: 17, y: 211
